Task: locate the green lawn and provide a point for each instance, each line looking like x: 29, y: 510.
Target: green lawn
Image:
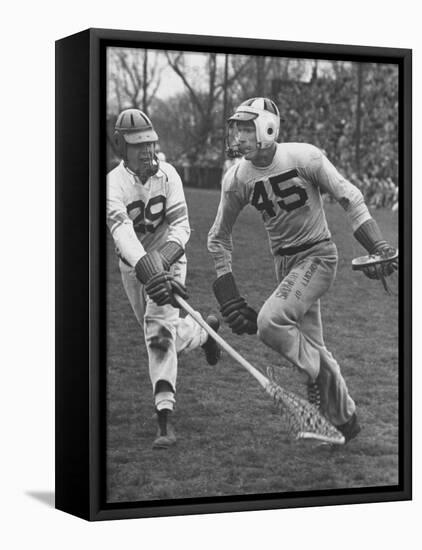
x: 230, y: 440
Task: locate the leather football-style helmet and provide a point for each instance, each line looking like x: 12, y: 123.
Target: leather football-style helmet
x: 134, y: 127
x: 265, y: 116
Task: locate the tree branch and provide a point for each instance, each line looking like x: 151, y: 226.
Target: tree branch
x: 175, y: 66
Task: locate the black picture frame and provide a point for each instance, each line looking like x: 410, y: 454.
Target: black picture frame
x: 80, y: 281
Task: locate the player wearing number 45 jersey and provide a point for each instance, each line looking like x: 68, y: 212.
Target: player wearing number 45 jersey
x: 148, y: 219
x: 284, y: 183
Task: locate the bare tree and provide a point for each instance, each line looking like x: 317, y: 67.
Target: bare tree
x: 206, y: 97
x: 136, y: 77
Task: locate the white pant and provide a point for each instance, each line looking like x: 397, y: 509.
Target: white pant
x: 166, y: 333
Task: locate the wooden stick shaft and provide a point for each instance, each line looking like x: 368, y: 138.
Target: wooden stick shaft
x: 263, y: 380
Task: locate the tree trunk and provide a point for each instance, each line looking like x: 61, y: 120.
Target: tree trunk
x: 260, y: 66
x: 145, y: 84
x: 358, y: 118
x: 224, y: 121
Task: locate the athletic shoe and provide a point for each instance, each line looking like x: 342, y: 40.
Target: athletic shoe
x: 164, y: 441
x: 166, y: 436
x: 211, y: 349
x: 350, y: 429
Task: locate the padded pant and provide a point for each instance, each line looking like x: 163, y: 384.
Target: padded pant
x: 166, y: 333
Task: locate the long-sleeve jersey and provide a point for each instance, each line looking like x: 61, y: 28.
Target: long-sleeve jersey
x: 287, y: 193
x: 142, y: 217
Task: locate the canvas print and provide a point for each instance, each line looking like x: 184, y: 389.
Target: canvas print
x: 252, y: 216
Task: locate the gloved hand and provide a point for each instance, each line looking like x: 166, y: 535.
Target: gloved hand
x: 160, y: 285
x: 385, y: 250
x: 370, y: 237
x: 240, y: 317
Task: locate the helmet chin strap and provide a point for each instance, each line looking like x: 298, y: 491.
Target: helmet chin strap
x: 235, y: 150
x: 150, y: 170
x: 147, y: 172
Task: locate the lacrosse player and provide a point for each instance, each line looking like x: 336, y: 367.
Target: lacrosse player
x: 148, y: 219
x: 284, y: 183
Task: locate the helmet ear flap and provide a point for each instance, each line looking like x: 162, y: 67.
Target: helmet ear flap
x: 120, y: 144
x: 273, y: 130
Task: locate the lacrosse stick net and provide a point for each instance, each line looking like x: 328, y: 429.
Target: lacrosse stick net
x: 304, y: 421
x: 379, y: 267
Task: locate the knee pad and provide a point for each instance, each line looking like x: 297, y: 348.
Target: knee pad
x: 159, y: 341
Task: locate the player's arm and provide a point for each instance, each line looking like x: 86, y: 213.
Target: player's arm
x: 323, y: 173
x: 150, y: 268
x: 220, y: 241
x: 121, y: 226
x: 236, y: 312
x: 176, y: 218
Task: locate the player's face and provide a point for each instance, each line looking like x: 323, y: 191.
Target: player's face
x: 140, y: 157
x: 246, y: 137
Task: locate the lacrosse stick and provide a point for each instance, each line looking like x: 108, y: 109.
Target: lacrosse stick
x: 303, y: 419
x: 376, y: 263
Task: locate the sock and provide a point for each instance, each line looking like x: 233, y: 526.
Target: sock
x: 164, y: 400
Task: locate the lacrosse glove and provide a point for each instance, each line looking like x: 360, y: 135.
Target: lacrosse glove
x: 370, y: 237
x: 240, y: 317
x: 170, y: 253
x: 160, y: 285
x: 386, y: 269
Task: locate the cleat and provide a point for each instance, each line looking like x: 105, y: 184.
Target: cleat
x: 350, y: 429
x: 314, y: 396
x: 166, y: 436
x: 164, y: 441
x: 211, y: 349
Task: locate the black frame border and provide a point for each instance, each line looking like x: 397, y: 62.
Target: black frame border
x: 80, y: 360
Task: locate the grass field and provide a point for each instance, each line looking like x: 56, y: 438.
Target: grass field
x: 230, y: 440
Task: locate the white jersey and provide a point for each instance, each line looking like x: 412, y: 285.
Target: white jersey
x: 287, y: 193
x: 142, y: 217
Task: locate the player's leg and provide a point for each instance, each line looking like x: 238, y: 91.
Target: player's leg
x: 281, y: 316
x: 335, y: 401
x: 165, y: 323
x: 164, y: 331
x: 166, y: 334
x: 283, y: 325
x: 160, y: 339
x: 159, y: 324
x: 189, y: 334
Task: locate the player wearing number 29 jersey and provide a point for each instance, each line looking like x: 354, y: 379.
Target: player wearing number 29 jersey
x: 142, y: 217
x: 148, y: 220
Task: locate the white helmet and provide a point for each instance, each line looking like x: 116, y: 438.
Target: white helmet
x: 266, y: 117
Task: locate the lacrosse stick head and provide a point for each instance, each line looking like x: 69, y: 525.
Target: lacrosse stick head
x: 304, y: 421
x: 378, y: 266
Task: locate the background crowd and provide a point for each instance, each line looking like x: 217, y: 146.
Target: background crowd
x: 348, y: 109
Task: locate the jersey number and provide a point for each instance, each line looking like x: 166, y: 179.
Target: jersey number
x: 154, y: 211
x: 261, y: 201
